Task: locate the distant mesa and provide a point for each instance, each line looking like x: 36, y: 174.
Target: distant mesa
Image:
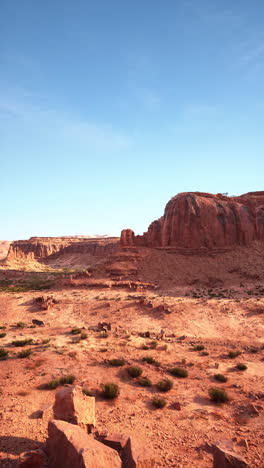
x: 40, y: 248
x: 195, y: 220
x: 191, y: 220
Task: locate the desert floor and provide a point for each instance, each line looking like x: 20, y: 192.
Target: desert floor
x: 217, y: 302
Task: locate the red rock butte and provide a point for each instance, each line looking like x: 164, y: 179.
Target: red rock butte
x: 195, y: 220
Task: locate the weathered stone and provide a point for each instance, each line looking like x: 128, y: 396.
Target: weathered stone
x: 43, y: 247
x: 135, y: 455
x: 196, y: 220
x: 68, y: 446
x: 32, y: 459
x: 176, y: 406
x: 73, y: 406
x: 224, y: 458
x: 116, y: 441
x: 127, y: 237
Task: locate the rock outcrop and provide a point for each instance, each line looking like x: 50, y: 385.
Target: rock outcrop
x: 199, y: 220
x: 224, y: 458
x: 73, y: 406
x: 69, y: 446
x: 41, y: 248
x: 4, y: 247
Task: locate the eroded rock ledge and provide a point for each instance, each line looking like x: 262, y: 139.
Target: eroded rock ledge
x: 197, y: 220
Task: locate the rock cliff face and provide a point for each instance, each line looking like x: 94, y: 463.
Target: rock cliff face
x: 201, y: 220
x: 4, y: 246
x: 37, y: 248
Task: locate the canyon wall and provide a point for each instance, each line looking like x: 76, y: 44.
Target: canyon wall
x: 202, y: 220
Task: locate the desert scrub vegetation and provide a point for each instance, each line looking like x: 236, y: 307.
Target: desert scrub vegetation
x: 117, y: 362
x: 20, y: 325
x: 198, y: 347
x: 2, y: 335
x: 234, y: 354
x: 134, y: 371
x: 144, y: 382
x: 178, y: 372
x: 54, y: 383
x: 158, y: 402
x: 241, y: 366
x: 75, y: 331
x: 51, y: 385
x: 25, y: 353
x: 153, y: 344
x: 87, y: 392
x: 35, y: 283
x: 25, y: 342
x: 83, y: 335
x: 3, y: 354
x: 110, y: 390
x: 220, y: 378
x: 151, y: 360
x: 164, y: 385
x: 218, y: 395
x: 67, y: 379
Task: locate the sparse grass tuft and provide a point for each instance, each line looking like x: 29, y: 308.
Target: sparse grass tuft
x: 158, y: 402
x: 134, y: 371
x: 52, y: 384
x: 178, y: 372
x: 110, y: 391
x: 153, y: 344
x: 241, y: 366
x: 25, y: 353
x: 2, y: 335
x: 218, y: 395
x: 20, y: 325
x: 3, y: 354
x: 117, y: 362
x: 145, y: 347
x: 22, y: 342
x: 199, y: 347
x: 233, y: 354
x: 87, y: 392
x: 144, y: 382
x: 165, y: 385
x: 67, y: 379
x: 151, y: 360
x: 75, y: 331
x: 220, y: 378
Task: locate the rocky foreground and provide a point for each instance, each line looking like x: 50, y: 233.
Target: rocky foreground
x: 154, y: 310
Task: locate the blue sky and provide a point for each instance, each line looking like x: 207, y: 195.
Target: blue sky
x: 108, y: 109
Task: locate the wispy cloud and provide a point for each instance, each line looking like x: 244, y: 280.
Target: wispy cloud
x: 39, y: 116
x: 210, y: 13
x: 253, y: 53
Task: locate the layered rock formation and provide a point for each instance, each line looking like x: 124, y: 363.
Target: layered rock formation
x: 4, y: 246
x: 198, y: 220
x: 37, y: 248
